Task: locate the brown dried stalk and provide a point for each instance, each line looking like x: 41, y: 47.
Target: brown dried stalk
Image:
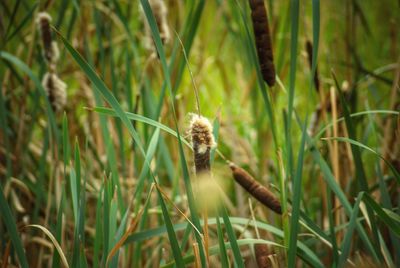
x: 253, y: 187
x: 263, y: 40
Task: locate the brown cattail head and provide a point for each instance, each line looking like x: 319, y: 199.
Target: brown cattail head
x: 263, y: 40
x: 56, y: 91
x: 309, y: 48
x: 262, y: 252
x: 253, y: 187
x: 50, y: 49
x: 202, y: 141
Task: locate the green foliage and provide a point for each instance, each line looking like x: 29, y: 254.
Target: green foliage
x: 108, y: 181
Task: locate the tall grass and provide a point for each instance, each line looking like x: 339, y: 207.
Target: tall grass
x: 109, y: 182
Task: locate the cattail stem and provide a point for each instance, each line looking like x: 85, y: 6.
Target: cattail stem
x: 254, y: 188
x: 263, y: 40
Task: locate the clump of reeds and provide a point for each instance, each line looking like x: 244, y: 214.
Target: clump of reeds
x: 55, y: 88
x: 201, y: 132
x: 254, y: 188
x: 263, y: 40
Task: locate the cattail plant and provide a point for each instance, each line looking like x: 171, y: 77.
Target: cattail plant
x: 263, y: 40
x: 50, y: 49
x: 201, y: 132
x: 55, y: 88
x: 254, y: 188
x: 56, y: 91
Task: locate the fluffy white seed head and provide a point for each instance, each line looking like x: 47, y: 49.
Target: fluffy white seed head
x: 201, y: 132
x: 43, y: 16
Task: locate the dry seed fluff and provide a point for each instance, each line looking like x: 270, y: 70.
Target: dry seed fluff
x: 56, y: 91
x: 202, y: 140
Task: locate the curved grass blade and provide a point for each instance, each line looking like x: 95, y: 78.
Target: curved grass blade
x: 53, y: 240
x: 322, y: 131
x: 140, y: 118
x: 363, y: 146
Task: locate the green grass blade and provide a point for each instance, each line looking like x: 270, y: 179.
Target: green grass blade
x: 232, y: 238
x: 345, y: 249
x: 222, y: 247
x: 176, y: 250
x: 294, y: 221
x: 365, y: 147
x: 98, y: 239
x: 145, y: 169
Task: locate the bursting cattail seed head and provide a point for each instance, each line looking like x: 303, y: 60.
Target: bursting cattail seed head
x: 263, y: 40
x: 50, y: 49
x: 201, y: 133
x: 254, y: 188
x: 56, y: 91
